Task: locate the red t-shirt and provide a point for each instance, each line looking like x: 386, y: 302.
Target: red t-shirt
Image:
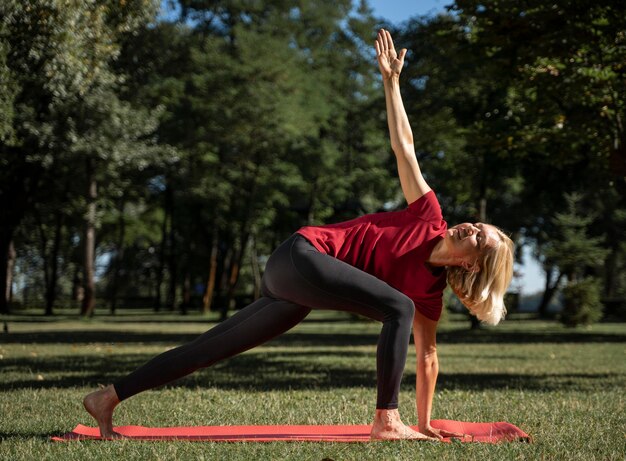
x: 392, y: 246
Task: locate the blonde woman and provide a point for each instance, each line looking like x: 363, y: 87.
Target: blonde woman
x: 391, y: 267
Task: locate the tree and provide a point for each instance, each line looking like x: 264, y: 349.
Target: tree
x: 269, y: 137
x: 501, y: 92
x: 456, y: 97
x: 56, y: 57
x: 578, y: 256
x: 565, y: 106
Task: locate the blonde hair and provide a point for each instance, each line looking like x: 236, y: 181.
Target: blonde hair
x: 482, y: 292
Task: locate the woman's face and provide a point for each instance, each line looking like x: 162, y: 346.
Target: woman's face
x: 467, y: 240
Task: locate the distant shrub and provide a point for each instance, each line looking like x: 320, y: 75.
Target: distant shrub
x: 581, y: 302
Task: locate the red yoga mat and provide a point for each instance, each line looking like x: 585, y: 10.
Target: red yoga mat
x: 475, y: 432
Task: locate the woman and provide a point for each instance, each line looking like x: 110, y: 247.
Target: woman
x: 391, y: 267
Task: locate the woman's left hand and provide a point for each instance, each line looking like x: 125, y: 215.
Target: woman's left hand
x: 439, y: 433
x: 389, y: 62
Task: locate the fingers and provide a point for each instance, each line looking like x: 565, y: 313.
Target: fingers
x: 422, y: 436
x: 385, y: 41
x: 380, y: 42
x: 451, y: 434
x: 433, y: 435
x: 377, y: 46
x: 438, y: 435
x: 388, y: 40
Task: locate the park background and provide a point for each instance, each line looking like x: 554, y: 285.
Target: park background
x: 153, y: 154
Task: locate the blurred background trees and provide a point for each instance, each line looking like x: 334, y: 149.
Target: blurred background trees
x: 153, y: 154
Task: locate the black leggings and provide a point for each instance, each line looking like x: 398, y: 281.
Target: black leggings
x: 297, y: 278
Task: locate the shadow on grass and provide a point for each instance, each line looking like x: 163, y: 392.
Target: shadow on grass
x: 309, y: 339
x: 283, y: 371
x: 22, y: 435
x: 294, y: 367
x: 151, y: 317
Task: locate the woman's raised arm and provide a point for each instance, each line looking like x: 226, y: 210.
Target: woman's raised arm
x: 390, y: 63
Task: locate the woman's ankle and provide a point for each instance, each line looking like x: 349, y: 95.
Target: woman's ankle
x: 112, y: 394
x: 387, y: 417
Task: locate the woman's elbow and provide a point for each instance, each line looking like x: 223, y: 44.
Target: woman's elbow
x: 403, y: 148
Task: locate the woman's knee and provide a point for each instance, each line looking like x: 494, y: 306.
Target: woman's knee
x: 402, y: 309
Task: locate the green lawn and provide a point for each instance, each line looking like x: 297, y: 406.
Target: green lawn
x: 564, y: 387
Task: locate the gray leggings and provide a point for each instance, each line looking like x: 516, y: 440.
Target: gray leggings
x: 297, y: 278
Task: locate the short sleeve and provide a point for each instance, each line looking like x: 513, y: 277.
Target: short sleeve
x: 427, y: 207
x: 431, y: 308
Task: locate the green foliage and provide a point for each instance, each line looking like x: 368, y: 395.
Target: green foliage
x: 572, y: 249
x: 7, y: 91
x: 566, y: 95
x: 581, y: 302
x: 269, y: 109
x: 243, y: 120
x: 578, y: 256
x: 515, y: 104
x: 64, y: 113
x: 456, y: 101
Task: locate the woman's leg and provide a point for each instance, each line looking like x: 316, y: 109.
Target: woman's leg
x: 297, y: 278
x: 257, y: 323
x: 297, y: 272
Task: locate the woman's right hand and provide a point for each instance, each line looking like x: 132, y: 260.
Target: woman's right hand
x: 440, y: 434
x: 389, y: 62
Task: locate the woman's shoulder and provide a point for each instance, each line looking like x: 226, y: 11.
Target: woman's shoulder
x: 426, y: 207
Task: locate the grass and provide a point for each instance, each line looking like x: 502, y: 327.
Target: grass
x: 565, y: 387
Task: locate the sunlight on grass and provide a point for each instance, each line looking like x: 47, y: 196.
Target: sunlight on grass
x: 564, y: 387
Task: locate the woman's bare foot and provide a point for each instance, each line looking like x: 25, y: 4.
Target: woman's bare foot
x: 388, y: 426
x: 100, y: 404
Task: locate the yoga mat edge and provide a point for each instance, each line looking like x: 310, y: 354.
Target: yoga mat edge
x: 475, y: 432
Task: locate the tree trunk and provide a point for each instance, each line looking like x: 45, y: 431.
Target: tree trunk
x: 225, y: 281
x: 256, y: 271
x: 51, y: 288
x: 548, y: 292
x: 43, y: 249
x: 77, y: 288
x: 172, y: 265
x: 5, y: 243
x: 610, y: 270
x: 11, y: 255
x: 167, y: 216
x: 207, y: 299
x: 162, y: 250
x: 244, y: 235
x: 617, y: 159
x: 17, y: 182
x: 89, y: 244
x: 234, y: 271
x: 184, y: 306
x: 119, y: 254
x: 10, y: 267
x: 232, y: 283
x: 50, y: 261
